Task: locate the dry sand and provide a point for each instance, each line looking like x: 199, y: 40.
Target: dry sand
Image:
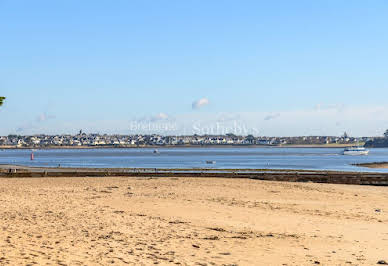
x: 99, y: 221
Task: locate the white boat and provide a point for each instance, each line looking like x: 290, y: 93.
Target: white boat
x: 355, y: 151
x: 211, y: 162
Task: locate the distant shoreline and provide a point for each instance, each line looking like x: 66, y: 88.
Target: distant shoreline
x: 180, y: 146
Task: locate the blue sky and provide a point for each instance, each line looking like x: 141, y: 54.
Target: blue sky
x: 269, y: 67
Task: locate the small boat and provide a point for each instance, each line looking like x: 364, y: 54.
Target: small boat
x: 211, y: 162
x: 156, y: 151
x: 356, y: 150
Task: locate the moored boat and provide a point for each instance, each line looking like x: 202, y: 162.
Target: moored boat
x: 357, y: 150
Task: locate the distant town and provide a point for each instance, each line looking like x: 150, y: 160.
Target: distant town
x: 104, y: 140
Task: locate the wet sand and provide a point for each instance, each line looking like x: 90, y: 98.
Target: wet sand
x: 190, y: 221
x: 383, y: 165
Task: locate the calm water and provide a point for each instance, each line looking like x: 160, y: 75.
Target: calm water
x: 277, y: 158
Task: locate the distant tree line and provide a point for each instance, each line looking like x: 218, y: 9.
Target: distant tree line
x: 379, y: 142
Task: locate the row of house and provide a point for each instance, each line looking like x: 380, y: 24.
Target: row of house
x: 83, y: 139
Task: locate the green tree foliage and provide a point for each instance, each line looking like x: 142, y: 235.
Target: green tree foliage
x: 1, y: 100
x: 250, y: 137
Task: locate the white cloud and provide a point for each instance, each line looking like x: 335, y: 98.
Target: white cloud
x: 200, y: 103
x: 159, y: 117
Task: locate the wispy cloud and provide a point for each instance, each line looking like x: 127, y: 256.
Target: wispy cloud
x: 200, y: 103
x: 324, y: 107
x: 329, y: 120
x: 25, y: 127
x: 44, y: 117
x: 228, y: 117
x: 41, y: 118
x: 159, y: 117
x: 271, y: 116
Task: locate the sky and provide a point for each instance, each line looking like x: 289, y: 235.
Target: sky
x: 267, y: 68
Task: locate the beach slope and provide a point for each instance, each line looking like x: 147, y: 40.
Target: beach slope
x: 190, y: 221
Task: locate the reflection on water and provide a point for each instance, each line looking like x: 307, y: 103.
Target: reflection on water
x: 276, y: 158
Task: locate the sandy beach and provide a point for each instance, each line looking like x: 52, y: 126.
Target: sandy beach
x: 190, y: 221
